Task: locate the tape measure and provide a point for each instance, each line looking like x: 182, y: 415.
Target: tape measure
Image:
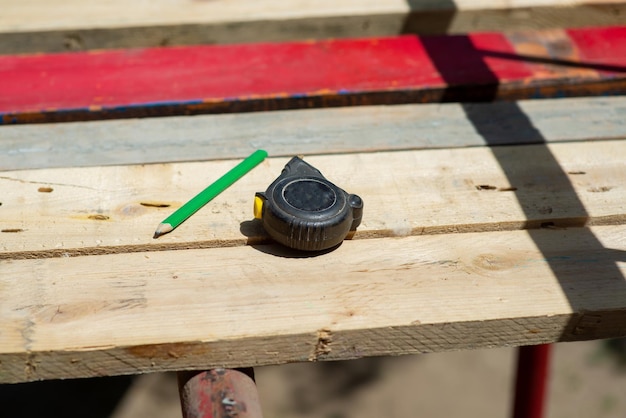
x: 303, y: 210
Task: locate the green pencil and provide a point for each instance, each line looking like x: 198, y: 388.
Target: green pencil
x: 208, y: 194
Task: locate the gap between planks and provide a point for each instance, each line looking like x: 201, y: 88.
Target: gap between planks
x: 100, y: 210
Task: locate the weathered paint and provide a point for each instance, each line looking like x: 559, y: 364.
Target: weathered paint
x: 238, y: 78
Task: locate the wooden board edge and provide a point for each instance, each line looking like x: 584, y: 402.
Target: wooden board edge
x: 321, y: 345
x: 436, y: 19
x: 309, y: 132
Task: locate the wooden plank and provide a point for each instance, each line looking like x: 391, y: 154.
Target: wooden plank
x: 229, y: 307
x: 102, y: 210
x: 310, y: 131
x: 252, y: 77
x: 37, y: 25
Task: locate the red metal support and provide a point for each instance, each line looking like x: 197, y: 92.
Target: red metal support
x: 531, y: 381
x: 219, y: 393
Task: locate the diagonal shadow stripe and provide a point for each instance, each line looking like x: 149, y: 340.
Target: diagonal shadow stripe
x: 515, y: 163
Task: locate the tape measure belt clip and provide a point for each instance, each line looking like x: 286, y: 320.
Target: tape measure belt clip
x: 303, y: 210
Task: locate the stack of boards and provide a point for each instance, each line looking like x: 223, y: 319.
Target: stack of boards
x: 485, y: 138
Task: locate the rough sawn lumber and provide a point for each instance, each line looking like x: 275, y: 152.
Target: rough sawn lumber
x: 39, y: 25
x: 310, y: 131
x: 255, y: 305
x: 102, y: 210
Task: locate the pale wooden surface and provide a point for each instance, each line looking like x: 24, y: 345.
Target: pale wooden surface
x: 172, y: 310
x: 311, y: 131
x: 102, y: 210
x: 257, y: 304
x: 37, y: 25
x: 436, y: 265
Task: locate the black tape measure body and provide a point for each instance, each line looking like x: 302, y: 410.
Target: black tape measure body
x: 303, y: 210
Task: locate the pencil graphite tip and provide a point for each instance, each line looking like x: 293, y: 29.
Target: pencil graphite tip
x: 162, y: 229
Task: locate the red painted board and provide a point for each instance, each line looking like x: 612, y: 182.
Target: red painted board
x: 227, y: 78
x: 605, y: 46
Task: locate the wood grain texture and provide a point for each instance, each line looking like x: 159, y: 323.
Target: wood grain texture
x: 101, y: 210
x: 460, y: 247
x: 253, y: 77
x: 228, y: 307
x: 310, y: 131
x: 37, y: 25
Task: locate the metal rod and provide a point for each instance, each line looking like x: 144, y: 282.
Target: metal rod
x: 219, y: 393
x: 531, y: 381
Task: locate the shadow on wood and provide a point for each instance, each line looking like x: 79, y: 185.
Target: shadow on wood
x: 563, y: 190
